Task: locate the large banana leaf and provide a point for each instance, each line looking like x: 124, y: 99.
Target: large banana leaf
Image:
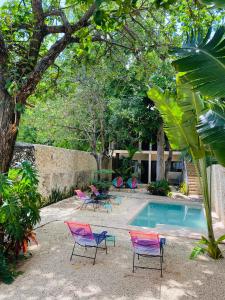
x: 203, y: 64
x: 211, y: 130
x: 217, y: 3
x: 179, y: 118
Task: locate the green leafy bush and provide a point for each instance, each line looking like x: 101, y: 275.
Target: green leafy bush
x: 205, y: 246
x: 183, y: 188
x: 19, y: 211
x: 160, y: 188
x: 101, y: 185
x: 6, y: 274
x: 103, y: 180
x: 57, y: 195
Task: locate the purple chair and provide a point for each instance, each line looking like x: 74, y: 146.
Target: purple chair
x: 85, y: 199
x: 147, y: 245
x: 84, y: 237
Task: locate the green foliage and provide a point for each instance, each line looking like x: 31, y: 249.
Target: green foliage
x: 104, y: 172
x: 160, y: 188
x: 19, y: 213
x: 206, y: 246
x: 57, y: 195
x: 179, y: 117
x: 103, y: 182
x: 127, y: 168
x: 183, y: 188
x: 101, y: 185
x: 217, y: 3
x: 6, y: 274
x: 211, y: 129
x: 202, y: 65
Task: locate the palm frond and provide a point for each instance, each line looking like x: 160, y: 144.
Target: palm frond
x: 216, y: 3
x: 203, y: 63
x: 179, y: 113
x: 211, y: 129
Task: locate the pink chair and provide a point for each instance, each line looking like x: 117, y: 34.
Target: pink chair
x: 86, y: 199
x: 147, y: 245
x: 118, y: 182
x: 84, y: 237
x: 132, y: 183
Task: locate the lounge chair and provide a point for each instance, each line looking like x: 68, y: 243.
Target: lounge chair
x: 132, y: 183
x: 118, y: 182
x: 97, y: 194
x: 147, y: 245
x: 101, y: 199
x: 86, y: 199
x: 84, y: 237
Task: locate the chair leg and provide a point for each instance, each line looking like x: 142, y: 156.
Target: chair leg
x: 133, y: 260
x: 138, y: 256
x: 72, y: 251
x: 105, y: 247
x: 162, y: 254
x: 161, y: 261
x: 95, y: 255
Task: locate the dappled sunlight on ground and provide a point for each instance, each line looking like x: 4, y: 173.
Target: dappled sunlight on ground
x: 49, y: 274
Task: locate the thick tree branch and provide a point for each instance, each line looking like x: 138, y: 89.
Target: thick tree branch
x: 38, y: 11
x: 40, y: 68
x: 38, y: 35
x: 62, y: 29
x: 66, y: 24
x: 44, y: 63
x: 83, y: 22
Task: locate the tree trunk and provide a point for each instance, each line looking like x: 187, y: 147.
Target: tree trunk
x: 9, y: 120
x: 201, y: 165
x: 98, y: 158
x: 168, y: 162
x: 160, y: 164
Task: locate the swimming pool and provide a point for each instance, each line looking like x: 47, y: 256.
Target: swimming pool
x: 183, y: 215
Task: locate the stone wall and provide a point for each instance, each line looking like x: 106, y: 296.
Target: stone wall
x: 218, y: 190
x: 57, y: 167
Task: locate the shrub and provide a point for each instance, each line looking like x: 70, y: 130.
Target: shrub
x: 6, y: 274
x: 160, y: 188
x: 183, y: 188
x: 19, y: 211
x: 101, y: 185
x: 103, y: 182
x: 57, y: 195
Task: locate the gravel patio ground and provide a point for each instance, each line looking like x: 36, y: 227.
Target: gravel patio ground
x: 49, y: 274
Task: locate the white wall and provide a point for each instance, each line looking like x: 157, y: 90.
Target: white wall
x: 218, y: 190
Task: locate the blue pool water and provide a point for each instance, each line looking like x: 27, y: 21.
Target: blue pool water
x: 154, y: 214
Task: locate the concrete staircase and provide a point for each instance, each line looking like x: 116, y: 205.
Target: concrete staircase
x: 193, y: 181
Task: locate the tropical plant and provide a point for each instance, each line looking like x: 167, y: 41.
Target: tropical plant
x: 127, y: 167
x: 181, y: 114
x: 183, y: 188
x: 203, y: 68
x: 217, y: 3
x: 6, y: 274
x: 103, y: 182
x: 206, y: 246
x: 20, y: 209
x: 160, y: 188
